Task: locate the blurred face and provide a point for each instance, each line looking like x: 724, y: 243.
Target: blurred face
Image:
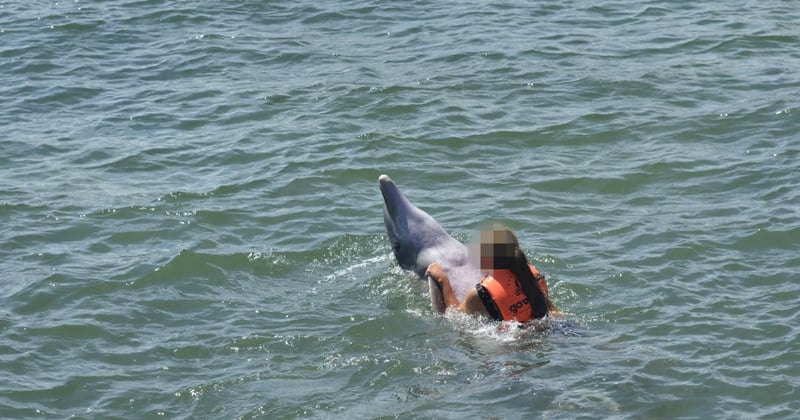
x: 495, y: 250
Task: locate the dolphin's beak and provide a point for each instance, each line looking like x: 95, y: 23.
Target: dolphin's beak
x: 394, y: 216
x: 391, y: 195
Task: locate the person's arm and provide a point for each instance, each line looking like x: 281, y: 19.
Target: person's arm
x: 436, y: 272
x: 472, y: 302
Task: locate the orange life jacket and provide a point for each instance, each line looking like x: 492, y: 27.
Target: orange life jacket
x: 504, y: 298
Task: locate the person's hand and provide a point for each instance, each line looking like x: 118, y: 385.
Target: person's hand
x: 435, y: 271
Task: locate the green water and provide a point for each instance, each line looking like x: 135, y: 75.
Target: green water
x: 192, y: 227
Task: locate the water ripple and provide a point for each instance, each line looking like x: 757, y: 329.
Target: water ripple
x: 192, y: 227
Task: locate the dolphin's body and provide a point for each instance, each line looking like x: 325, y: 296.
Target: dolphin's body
x: 418, y: 240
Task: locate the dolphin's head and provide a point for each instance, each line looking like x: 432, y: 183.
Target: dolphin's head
x: 410, y: 229
x: 418, y: 240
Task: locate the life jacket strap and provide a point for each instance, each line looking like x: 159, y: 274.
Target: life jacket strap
x: 489, y: 303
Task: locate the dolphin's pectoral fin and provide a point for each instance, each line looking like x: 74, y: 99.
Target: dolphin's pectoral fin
x: 437, y: 297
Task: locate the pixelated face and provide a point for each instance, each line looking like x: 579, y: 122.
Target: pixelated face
x: 495, y: 250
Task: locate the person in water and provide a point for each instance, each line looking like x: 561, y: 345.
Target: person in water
x: 512, y: 288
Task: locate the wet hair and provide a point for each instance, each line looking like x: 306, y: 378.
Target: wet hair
x: 502, y: 245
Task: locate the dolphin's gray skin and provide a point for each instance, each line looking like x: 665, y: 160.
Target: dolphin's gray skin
x: 418, y: 240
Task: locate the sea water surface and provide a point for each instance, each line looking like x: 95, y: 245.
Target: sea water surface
x: 192, y: 226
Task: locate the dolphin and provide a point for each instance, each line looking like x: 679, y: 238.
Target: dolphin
x: 418, y: 240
